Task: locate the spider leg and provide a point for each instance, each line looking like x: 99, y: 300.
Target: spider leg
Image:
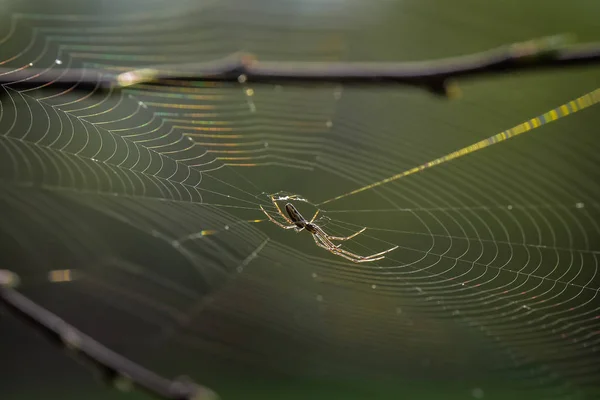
x: 320, y: 244
x: 289, y: 221
x: 277, y: 222
x: 382, y: 252
x: 346, y: 237
x: 314, y: 216
x: 372, y: 257
x: 357, y: 257
x: 323, y: 238
x: 328, y: 239
x: 327, y: 245
x: 358, y: 260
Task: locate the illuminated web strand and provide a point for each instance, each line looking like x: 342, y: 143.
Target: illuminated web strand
x: 568, y: 108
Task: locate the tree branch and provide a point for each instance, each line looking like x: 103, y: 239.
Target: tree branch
x: 115, y: 369
x: 434, y: 76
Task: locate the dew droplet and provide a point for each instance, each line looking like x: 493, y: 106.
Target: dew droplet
x: 123, y: 383
x: 7, y: 278
x: 477, y: 393
x: 71, y: 339
x: 337, y: 94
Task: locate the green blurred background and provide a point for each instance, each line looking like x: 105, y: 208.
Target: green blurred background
x: 276, y: 331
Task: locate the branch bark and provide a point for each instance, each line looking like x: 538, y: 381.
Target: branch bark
x: 549, y: 53
x: 113, y: 367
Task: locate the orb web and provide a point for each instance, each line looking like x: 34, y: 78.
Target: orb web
x: 147, y: 201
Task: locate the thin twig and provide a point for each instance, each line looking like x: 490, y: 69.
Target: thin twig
x: 115, y: 369
x: 434, y: 76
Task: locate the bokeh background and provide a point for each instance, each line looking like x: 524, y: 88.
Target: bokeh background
x: 146, y: 202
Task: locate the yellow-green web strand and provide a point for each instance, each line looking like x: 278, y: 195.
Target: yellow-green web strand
x: 568, y: 108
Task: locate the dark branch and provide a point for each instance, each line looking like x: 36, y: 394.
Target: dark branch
x: 435, y: 76
x: 115, y: 369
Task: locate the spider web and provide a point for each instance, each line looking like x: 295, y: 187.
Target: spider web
x: 141, y: 208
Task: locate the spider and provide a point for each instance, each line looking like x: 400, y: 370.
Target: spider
x: 322, y: 239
